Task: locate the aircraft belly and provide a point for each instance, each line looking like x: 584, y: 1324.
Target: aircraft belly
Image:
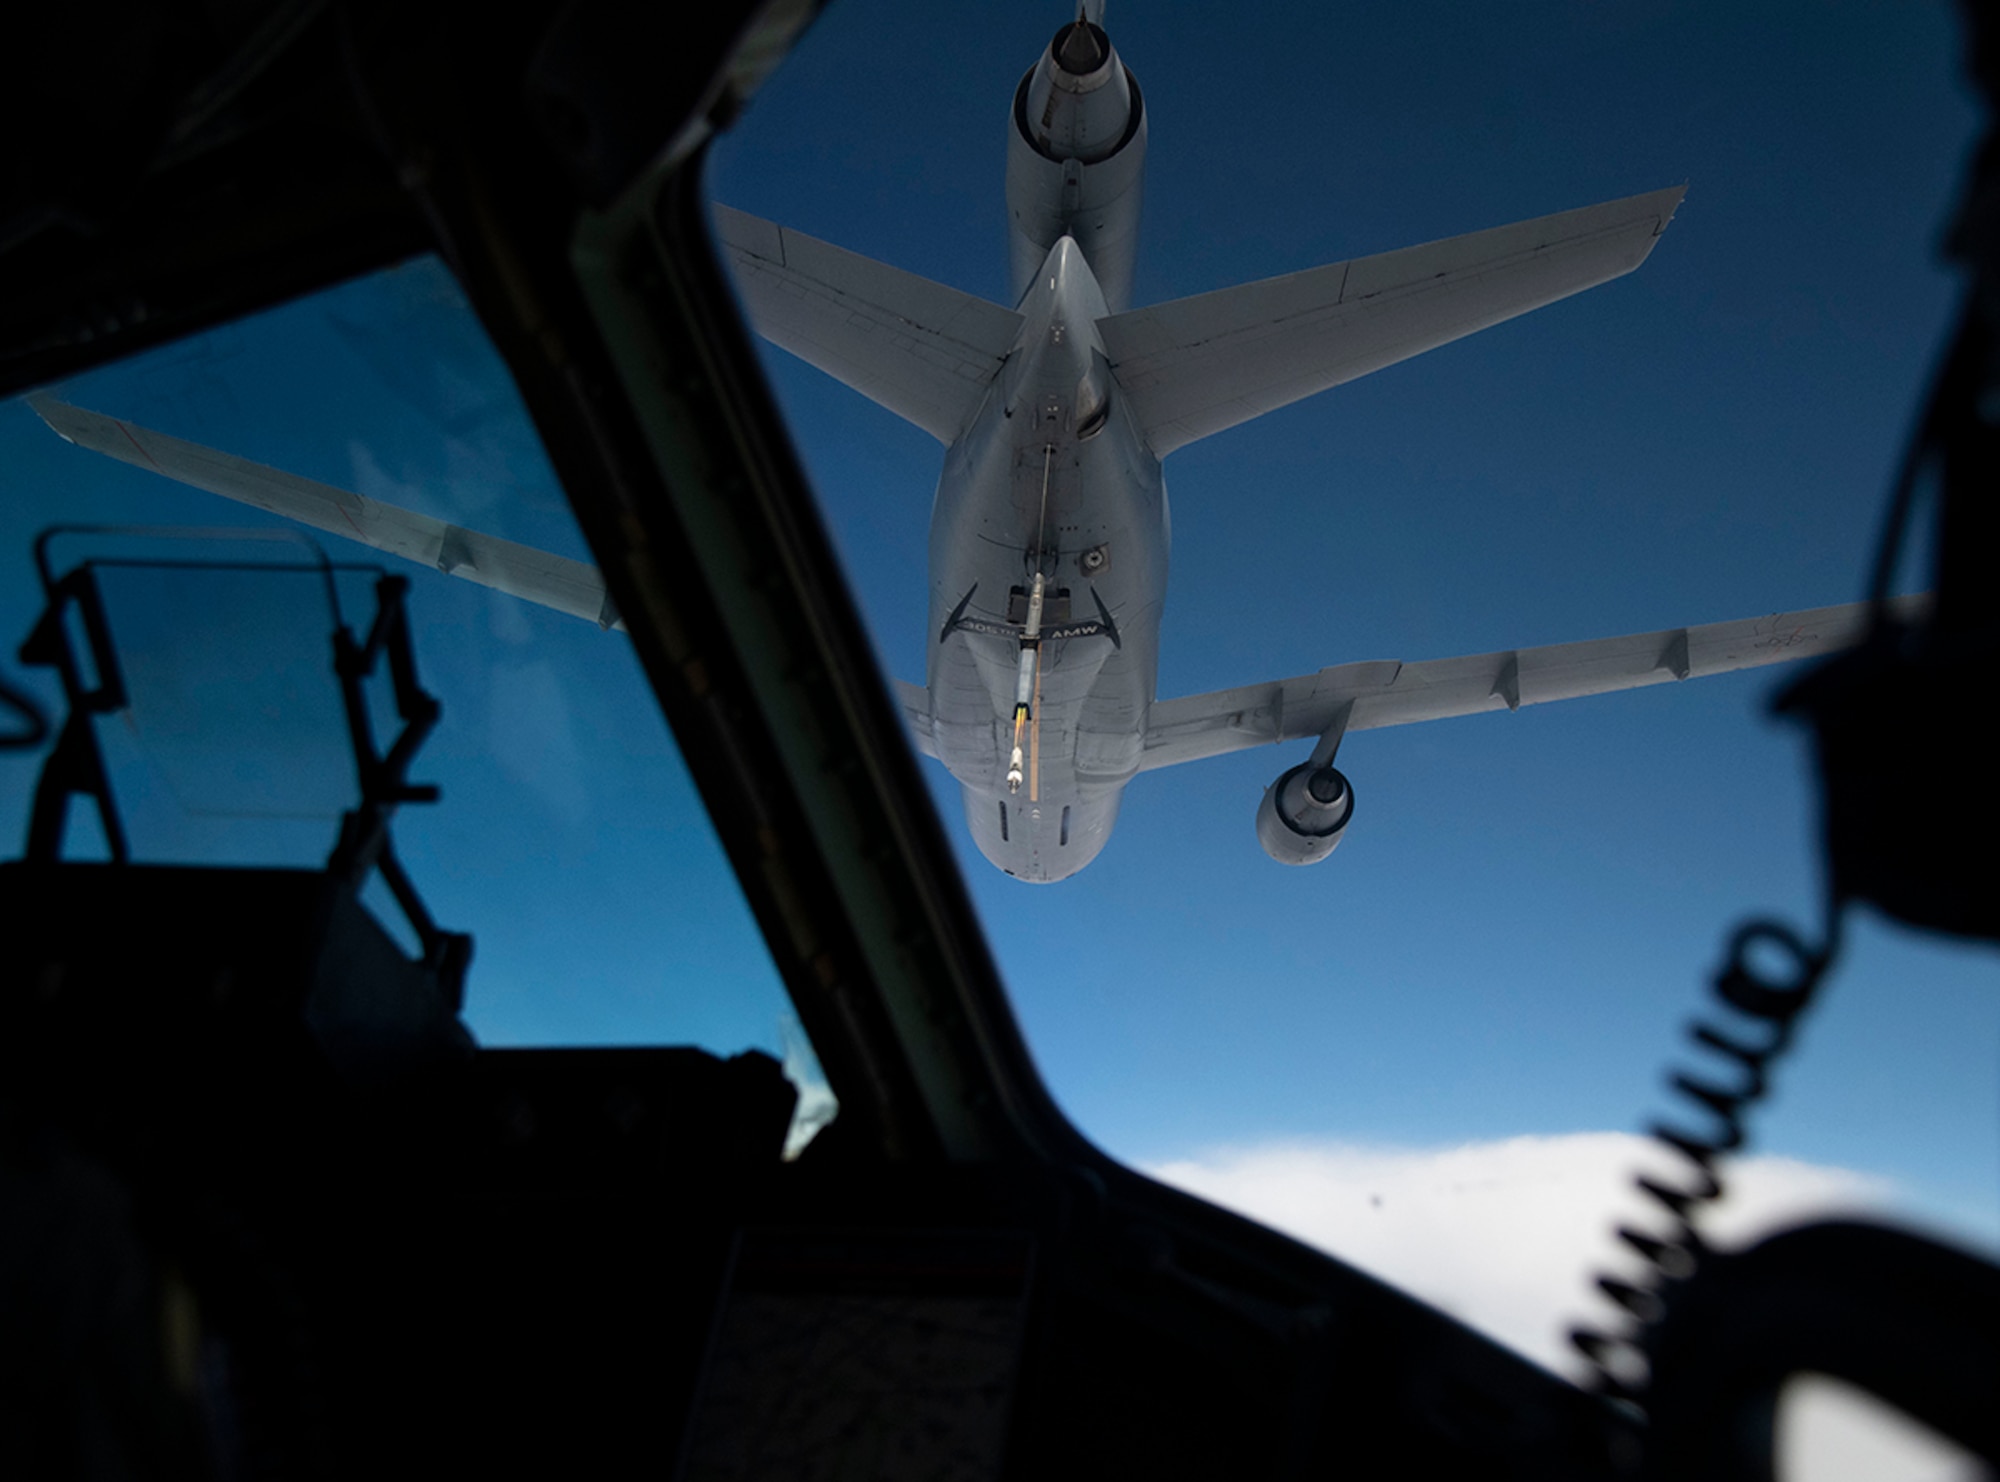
x: 1040, y: 842
x: 1105, y: 528
x: 1047, y: 484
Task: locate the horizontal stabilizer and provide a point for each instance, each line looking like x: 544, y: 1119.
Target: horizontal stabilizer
x: 1394, y: 694
x: 1195, y: 366
x: 924, y: 351
x: 573, y: 587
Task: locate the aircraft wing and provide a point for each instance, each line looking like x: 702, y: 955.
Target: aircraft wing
x: 520, y: 571
x: 924, y: 351
x: 557, y: 582
x: 915, y: 701
x: 1394, y: 694
x: 1197, y: 365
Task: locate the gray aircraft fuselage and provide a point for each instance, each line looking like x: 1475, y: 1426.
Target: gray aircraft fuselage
x: 1052, y: 477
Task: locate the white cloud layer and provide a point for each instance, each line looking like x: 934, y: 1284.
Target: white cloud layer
x: 1506, y: 1236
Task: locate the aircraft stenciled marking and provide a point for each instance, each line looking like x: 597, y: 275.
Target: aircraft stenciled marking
x: 1788, y: 640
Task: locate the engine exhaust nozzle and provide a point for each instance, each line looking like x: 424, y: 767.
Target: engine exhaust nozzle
x: 1079, y: 100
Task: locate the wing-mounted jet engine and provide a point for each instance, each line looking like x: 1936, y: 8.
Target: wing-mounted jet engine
x: 1304, y: 813
x: 1307, y: 809
x: 1076, y: 158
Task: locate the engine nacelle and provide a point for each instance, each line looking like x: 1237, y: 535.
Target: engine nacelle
x: 1077, y: 102
x: 1304, y: 813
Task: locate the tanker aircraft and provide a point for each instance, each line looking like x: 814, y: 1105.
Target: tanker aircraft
x: 1050, y: 531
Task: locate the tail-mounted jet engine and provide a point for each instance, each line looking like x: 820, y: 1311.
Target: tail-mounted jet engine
x: 1075, y: 160
x: 1304, y: 813
x: 1078, y: 100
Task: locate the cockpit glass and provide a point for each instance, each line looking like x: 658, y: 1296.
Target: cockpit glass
x: 568, y: 838
x: 1432, y: 1052
x: 231, y: 744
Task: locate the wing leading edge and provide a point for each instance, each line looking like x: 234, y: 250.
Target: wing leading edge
x: 1395, y: 694
x: 1195, y: 366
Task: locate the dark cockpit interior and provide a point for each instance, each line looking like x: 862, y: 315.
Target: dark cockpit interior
x: 275, y: 1199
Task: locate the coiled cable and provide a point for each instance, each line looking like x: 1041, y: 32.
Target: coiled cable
x: 1766, y: 1008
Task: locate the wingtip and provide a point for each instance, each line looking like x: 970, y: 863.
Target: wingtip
x: 51, y: 409
x: 1670, y: 202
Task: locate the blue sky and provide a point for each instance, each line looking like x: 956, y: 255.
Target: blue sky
x: 1502, y: 953
x: 569, y: 839
x: 1527, y: 907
